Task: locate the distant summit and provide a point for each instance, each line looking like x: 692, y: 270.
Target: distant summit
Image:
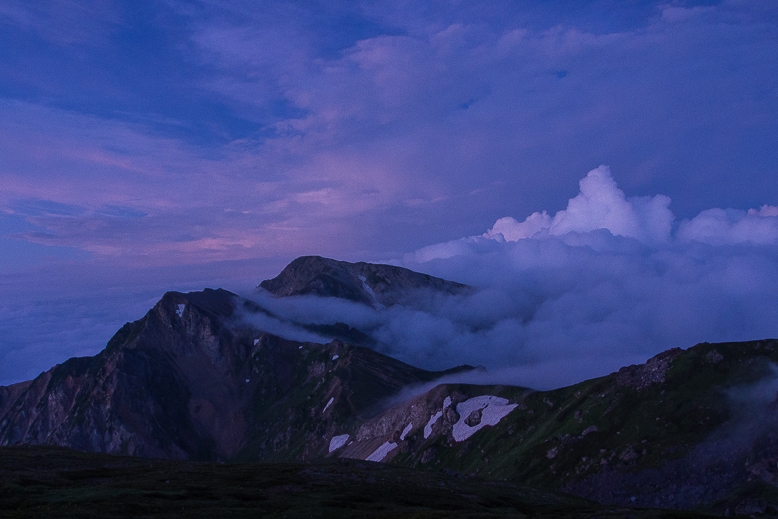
x: 373, y: 284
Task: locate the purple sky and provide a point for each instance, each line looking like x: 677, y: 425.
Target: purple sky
x: 178, y: 145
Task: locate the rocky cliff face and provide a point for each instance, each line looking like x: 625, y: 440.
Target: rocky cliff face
x: 9, y: 395
x: 134, y: 397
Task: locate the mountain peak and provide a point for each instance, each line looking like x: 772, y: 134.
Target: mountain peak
x: 372, y: 284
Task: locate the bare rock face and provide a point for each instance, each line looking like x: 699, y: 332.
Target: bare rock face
x: 450, y: 415
x: 474, y: 418
x: 429, y: 455
x: 713, y: 357
x: 368, y: 283
x: 133, y: 398
x: 652, y: 372
x: 9, y: 394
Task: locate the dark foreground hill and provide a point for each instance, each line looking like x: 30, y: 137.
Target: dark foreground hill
x: 197, y: 378
x: 56, y: 482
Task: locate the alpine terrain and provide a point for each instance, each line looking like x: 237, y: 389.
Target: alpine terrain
x: 197, y: 379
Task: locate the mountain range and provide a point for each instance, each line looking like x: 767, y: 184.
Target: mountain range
x: 197, y: 379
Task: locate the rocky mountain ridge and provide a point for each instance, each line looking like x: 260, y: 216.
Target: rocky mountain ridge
x: 194, y: 379
x: 372, y: 284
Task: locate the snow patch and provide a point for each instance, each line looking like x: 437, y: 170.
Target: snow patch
x: 247, y: 380
x: 369, y: 290
x: 406, y: 431
x: 447, y: 402
x: 334, y: 357
x: 180, y: 311
x: 328, y: 404
x: 428, y: 427
x: 256, y: 341
x: 493, y: 409
x: 381, y: 452
x: 338, y: 441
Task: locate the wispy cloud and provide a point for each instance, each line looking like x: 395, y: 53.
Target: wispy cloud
x: 402, y: 115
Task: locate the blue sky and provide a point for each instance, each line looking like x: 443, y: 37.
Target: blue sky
x: 177, y: 145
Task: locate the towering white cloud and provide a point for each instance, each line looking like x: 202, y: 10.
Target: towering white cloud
x: 599, y: 205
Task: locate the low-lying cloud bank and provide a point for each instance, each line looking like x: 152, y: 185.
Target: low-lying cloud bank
x: 613, y: 279
x: 609, y: 281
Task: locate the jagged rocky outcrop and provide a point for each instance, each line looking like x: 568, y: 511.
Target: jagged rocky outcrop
x: 369, y: 283
x: 140, y: 395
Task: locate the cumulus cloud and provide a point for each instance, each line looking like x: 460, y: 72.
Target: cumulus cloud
x: 605, y: 283
x: 599, y: 205
x: 731, y: 226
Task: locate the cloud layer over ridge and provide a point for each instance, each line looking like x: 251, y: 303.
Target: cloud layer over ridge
x: 604, y: 283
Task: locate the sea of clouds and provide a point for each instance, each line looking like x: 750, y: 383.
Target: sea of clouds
x: 609, y: 281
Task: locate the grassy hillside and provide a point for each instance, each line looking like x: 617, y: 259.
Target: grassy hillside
x: 688, y: 427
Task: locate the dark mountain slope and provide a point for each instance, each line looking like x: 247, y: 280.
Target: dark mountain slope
x: 193, y: 380
x: 9, y: 395
x: 133, y: 397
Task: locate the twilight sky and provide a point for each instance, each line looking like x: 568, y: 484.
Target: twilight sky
x: 179, y: 145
